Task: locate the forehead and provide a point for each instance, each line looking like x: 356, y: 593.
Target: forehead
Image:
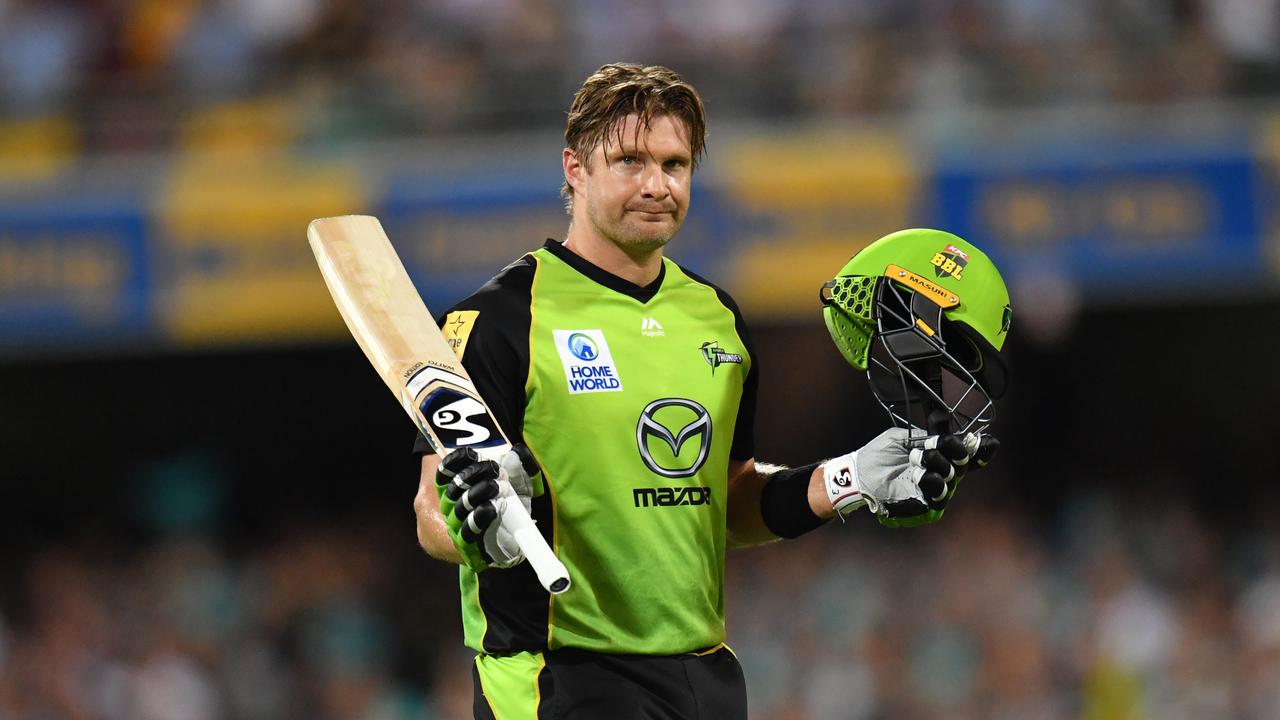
x: 662, y: 134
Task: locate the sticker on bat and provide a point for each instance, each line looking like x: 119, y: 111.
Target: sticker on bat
x: 459, y: 420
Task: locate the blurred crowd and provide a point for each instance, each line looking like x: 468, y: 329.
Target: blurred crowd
x: 312, y: 624
x: 127, y: 72
x: 1090, y: 612
x: 996, y: 614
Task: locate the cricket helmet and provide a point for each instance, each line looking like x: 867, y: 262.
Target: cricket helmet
x: 925, y: 314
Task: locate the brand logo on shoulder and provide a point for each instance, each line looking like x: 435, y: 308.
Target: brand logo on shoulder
x: 457, y: 329
x: 588, y: 364
x: 650, y: 327
x: 717, y: 356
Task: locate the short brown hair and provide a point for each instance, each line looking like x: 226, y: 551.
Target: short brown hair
x: 617, y: 90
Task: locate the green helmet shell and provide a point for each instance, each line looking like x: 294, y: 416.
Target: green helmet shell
x: 950, y: 270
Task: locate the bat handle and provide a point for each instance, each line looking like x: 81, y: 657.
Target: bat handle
x: 550, y: 571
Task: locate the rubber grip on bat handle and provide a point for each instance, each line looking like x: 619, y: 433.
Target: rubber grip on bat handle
x: 550, y: 571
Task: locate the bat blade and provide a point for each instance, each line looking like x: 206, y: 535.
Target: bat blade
x: 391, y: 323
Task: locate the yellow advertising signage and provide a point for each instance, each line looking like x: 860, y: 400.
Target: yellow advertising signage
x: 817, y: 199
x: 235, y: 252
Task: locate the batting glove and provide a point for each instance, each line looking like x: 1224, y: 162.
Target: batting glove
x: 904, y: 481
x: 468, y: 486
x: 941, y: 464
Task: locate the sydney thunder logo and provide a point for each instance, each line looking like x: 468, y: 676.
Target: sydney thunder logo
x: 950, y: 262
x: 716, y: 356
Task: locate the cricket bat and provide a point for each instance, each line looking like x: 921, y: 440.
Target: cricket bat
x: 397, y: 333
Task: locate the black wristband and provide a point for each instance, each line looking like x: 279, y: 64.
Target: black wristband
x: 784, y: 503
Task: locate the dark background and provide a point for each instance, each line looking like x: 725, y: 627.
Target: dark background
x: 1137, y: 400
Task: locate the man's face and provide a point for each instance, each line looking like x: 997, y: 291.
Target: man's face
x: 634, y: 189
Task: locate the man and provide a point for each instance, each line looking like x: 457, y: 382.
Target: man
x: 630, y: 384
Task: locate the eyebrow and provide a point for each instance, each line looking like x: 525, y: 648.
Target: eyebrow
x: 623, y: 151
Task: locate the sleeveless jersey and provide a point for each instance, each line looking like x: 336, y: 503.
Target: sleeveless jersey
x: 633, y: 400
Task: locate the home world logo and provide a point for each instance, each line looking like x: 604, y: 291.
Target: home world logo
x: 588, y: 364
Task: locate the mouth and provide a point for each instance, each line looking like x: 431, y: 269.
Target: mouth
x: 652, y: 214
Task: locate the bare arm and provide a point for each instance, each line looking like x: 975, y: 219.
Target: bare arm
x: 433, y: 536
x: 746, y: 483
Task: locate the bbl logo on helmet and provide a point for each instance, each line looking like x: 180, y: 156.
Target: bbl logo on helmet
x: 950, y: 261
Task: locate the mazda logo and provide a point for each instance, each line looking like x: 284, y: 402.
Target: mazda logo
x: 649, y: 427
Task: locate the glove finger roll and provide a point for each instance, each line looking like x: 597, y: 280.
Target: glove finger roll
x: 477, y: 521
x: 987, y: 448
x: 474, y: 473
x: 934, y: 461
x: 905, y: 508
x: 454, y: 463
x: 952, y: 447
x: 526, y: 459
x: 934, y: 489
x: 480, y: 493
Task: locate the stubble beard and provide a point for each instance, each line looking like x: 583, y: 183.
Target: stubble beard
x: 636, y: 242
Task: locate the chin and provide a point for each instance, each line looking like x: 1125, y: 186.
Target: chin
x: 646, y: 240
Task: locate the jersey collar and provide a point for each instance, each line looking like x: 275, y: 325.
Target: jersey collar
x: 642, y: 293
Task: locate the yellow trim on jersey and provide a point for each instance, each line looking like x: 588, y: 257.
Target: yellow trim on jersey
x: 510, y: 682
x: 546, y: 476
x: 711, y: 650
x: 484, y: 689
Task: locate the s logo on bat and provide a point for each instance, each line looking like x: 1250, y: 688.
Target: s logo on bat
x: 459, y: 420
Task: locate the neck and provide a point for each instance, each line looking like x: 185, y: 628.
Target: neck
x: 640, y: 269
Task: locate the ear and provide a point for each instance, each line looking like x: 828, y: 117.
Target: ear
x: 574, y: 170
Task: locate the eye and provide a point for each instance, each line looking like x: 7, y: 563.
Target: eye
x: 627, y: 159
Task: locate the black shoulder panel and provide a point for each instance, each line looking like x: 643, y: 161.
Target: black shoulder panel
x: 744, y: 437
x: 497, y: 350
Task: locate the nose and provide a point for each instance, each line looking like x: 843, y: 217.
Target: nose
x: 654, y: 185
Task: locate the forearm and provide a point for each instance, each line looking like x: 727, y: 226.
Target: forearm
x: 746, y: 526
x: 819, y: 503
x: 746, y: 516
x: 433, y: 534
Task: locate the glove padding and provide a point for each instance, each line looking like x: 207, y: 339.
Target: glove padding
x: 905, y: 481
x: 468, y: 486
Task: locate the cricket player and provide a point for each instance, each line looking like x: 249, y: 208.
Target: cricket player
x: 629, y: 386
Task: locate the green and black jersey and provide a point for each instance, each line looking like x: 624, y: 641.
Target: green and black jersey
x: 633, y: 400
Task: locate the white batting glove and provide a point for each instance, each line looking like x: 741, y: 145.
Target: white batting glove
x: 514, y: 485
x: 873, y: 476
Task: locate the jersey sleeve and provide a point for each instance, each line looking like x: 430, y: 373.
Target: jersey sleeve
x: 744, y: 434
x: 491, y: 331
